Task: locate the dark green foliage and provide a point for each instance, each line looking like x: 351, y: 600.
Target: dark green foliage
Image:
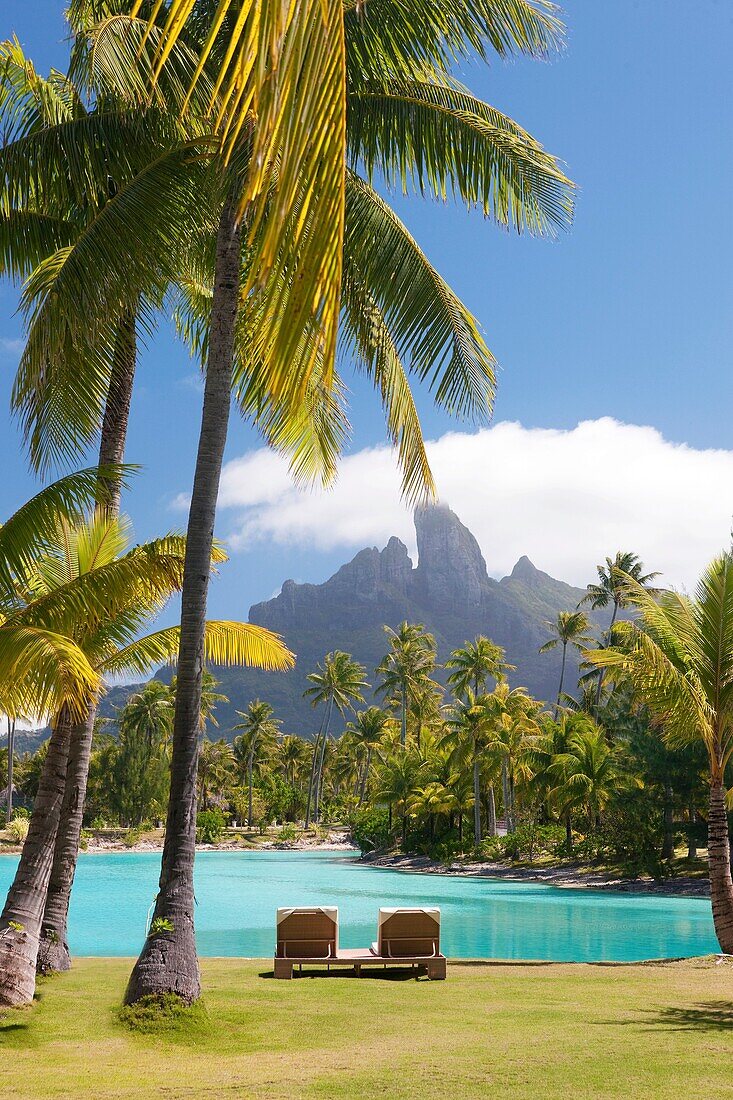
x: 370, y: 829
x: 210, y: 825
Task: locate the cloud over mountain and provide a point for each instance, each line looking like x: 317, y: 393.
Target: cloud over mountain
x: 564, y: 497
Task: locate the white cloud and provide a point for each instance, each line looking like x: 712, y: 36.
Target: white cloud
x: 565, y: 498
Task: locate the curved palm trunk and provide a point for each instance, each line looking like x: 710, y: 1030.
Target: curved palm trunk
x: 492, y: 811
x: 168, y: 961
x: 53, y: 950
x: 562, y: 678
x: 602, y: 671
x: 20, y: 922
x: 476, y: 802
x: 312, y: 783
x: 721, y: 884
x: 250, y: 762
x: 321, y: 759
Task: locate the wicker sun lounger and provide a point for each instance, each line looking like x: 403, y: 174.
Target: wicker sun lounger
x: 309, y: 937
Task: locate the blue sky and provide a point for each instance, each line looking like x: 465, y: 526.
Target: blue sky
x: 628, y: 316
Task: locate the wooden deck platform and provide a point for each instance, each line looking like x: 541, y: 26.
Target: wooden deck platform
x: 358, y: 957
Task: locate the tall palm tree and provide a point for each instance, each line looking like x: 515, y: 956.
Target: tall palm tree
x: 589, y: 774
x: 609, y: 591
x: 292, y: 754
x: 365, y: 732
x: 678, y: 658
x: 405, y: 671
x: 569, y: 628
x: 215, y: 768
x: 468, y: 735
x: 399, y: 778
x: 549, y: 754
x: 86, y: 587
x: 474, y: 663
x: 144, y: 725
x: 512, y: 718
x: 260, y: 729
x: 295, y: 236
x: 339, y: 682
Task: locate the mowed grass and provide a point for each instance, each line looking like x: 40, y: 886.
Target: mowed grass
x: 515, y: 1031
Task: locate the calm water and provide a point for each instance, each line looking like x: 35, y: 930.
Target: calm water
x: 238, y: 893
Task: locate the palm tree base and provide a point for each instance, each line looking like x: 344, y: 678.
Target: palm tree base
x: 54, y: 956
x: 18, y: 951
x: 167, y: 964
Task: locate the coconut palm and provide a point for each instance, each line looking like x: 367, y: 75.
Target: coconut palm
x: 292, y: 320
x: 339, y: 682
x: 512, y: 718
x: 292, y: 752
x: 141, y: 766
x: 260, y: 731
x: 609, y: 591
x: 404, y: 672
x: 474, y: 663
x: 678, y: 659
x: 86, y: 586
x: 589, y: 774
x: 398, y: 780
x: 569, y: 628
x: 548, y: 755
x: 215, y: 769
x: 365, y: 733
x: 469, y: 735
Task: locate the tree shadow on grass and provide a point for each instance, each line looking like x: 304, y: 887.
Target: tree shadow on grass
x: 707, y: 1016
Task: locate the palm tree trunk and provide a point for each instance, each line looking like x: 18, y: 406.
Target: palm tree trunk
x: 53, y: 951
x: 476, y: 802
x: 168, y: 961
x: 492, y: 811
x: 691, y: 842
x: 117, y: 411
x: 365, y: 780
x: 721, y: 884
x: 562, y: 678
x: 506, y: 796
x: 319, y: 768
x: 602, y: 671
x: 20, y: 922
x: 668, y: 842
x: 403, y: 721
x: 311, y: 785
x: 11, y: 752
x: 249, y: 781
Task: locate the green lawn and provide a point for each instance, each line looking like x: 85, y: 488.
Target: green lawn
x: 511, y: 1031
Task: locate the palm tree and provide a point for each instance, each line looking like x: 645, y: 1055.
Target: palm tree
x: 338, y: 682
x: 215, y: 767
x: 11, y: 760
x: 83, y: 585
x: 365, y: 732
x: 298, y: 233
x: 589, y: 774
x: 399, y: 779
x: 260, y: 729
x: 405, y: 671
x: 569, y: 628
x: 292, y: 753
x: 610, y: 591
x: 144, y: 725
x: 678, y: 659
x: 548, y: 755
x: 511, y: 716
x: 474, y: 663
x: 468, y: 735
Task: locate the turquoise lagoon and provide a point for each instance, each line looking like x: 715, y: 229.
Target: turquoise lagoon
x: 237, y: 894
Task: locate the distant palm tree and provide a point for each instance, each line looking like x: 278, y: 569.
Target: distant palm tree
x: 474, y: 663
x: 678, y: 658
x: 398, y: 781
x: 588, y: 774
x: 215, y: 767
x: 339, y: 682
x: 260, y: 729
x: 468, y: 735
x: 570, y: 628
x: 610, y: 590
x: 407, y: 667
x: 292, y: 752
x: 365, y: 732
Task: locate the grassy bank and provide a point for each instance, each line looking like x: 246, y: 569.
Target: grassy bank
x: 524, y: 1031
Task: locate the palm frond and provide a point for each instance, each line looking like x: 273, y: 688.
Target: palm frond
x: 439, y: 139
x: 40, y: 671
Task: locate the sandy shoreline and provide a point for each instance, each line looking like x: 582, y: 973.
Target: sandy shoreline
x: 567, y: 876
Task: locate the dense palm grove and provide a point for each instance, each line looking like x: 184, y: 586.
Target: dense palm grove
x: 475, y: 767
x: 210, y: 162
